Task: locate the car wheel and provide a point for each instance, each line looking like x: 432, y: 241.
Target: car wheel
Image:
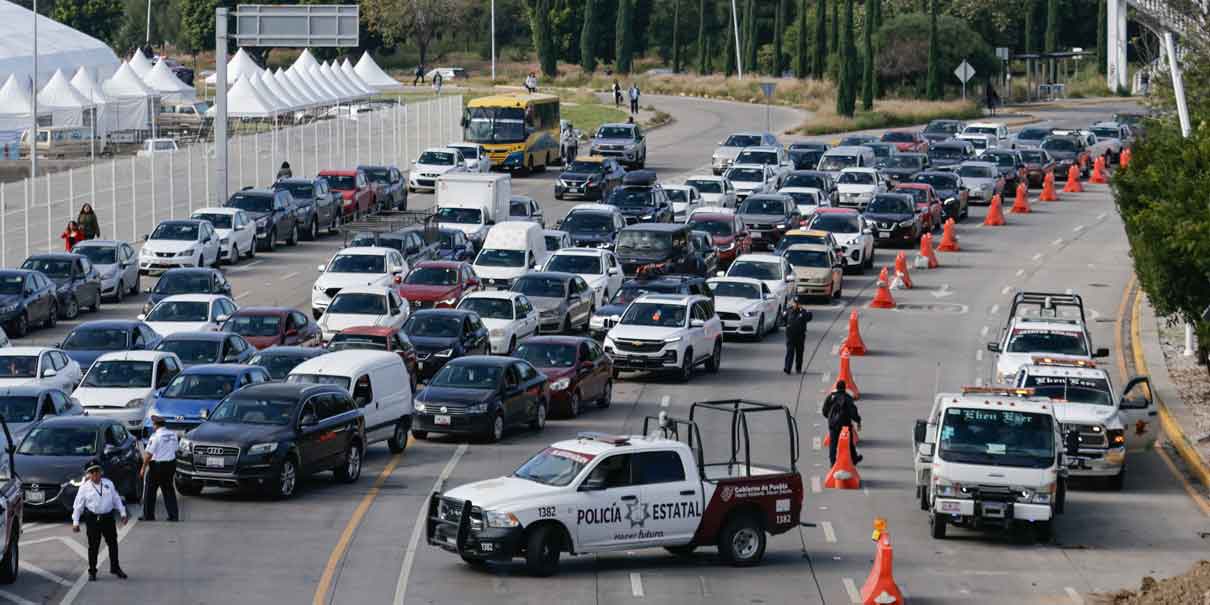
x: 120, y: 291
x: 313, y: 231
x: 271, y: 241
x: 134, y: 288
x: 252, y: 249
x: 287, y: 479
x: 293, y: 239
x: 566, y: 328
x: 96, y: 302
x: 573, y: 405
x: 512, y: 345
x: 53, y: 317
x: 420, y: 435
x: 350, y: 470
x: 937, y: 526
x: 19, y: 327
x: 399, y: 441
x: 760, y: 329
x: 335, y: 224
x: 686, y: 371
x: 742, y: 541
x: 924, y: 498
x: 496, y: 432
x: 716, y: 358
x: 559, y: 196
x: 233, y: 255
x: 539, y: 421
x: 542, y: 550
x: 11, y: 564
x: 607, y: 396
x: 189, y: 487
x: 72, y: 309
x: 1044, y: 531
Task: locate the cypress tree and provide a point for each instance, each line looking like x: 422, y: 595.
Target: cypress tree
x: 1102, y: 37
x: 588, y: 37
x: 846, y: 92
x: 820, y: 64
x: 834, y: 42
x: 804, y: 66
x: 544, y: 37
x: 732, y: 53
x: 1052, y: 26
x: 867, y: 75
x: 933, y: 87
x: 779, y: 30
x: 750, y: 44
x: 625, y: 38
x: 705, y: 15
x: 1031, y: 18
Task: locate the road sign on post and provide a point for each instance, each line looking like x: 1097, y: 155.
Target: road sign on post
x: 964, y: 73
x: 767, y: 88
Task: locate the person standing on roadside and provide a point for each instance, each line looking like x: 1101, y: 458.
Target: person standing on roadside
x: 87, y: 220
x: 72, y: 235
x: 531, y: 83
x: 437, y: 82
x: 419, y: 74
x: 634, y: 98
x: 96, y: 502
x: 796, y: 335
x: 841, y: 412
x: 617, y: 94
x: 159, y: 467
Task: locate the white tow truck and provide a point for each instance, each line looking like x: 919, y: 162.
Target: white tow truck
x: 1109, y: 426
x: 600, y: 493
x: 1042, y: 323
x: 991, y: 457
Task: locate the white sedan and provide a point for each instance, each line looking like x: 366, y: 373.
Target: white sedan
x: 852, y: 232
x: 600, y: 268
x: 770, y: 269
x: 41, y: 366
x: 236, y: 232
x: 364, y: 306
x: 508, y: 316
x: 746, y: 306
x: 189, y: 313
x: 433, y: 163
x: 179, y: 243
x: 474, y: 156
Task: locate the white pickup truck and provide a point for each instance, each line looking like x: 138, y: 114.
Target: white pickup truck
x: 600, y: 493
x: 156, y: 146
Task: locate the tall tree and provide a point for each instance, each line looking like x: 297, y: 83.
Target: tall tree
x: 676, y: 42
x: 750, y: 38
x: 625, y: 38
x: 730, y: 46
x: 1052, y: 26
x: 1031, y: 20
x: 867, y: 72
x: 834, y: 42
x: 779, y: 31
x: 196, y: 26
x: 97, y: 18
x: 933, y: 86
x: 543, y: 35
x: 819, y: 65
x: 875, y: 6
x: 416, y: 21
x: 804, y: 65
x: 1102, y: 37
x: 588, y: 37
x: 846, y: 92
x: 705, y: 17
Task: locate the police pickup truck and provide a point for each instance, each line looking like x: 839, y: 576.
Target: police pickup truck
x: 600, y: 493
x: 1042, y: 323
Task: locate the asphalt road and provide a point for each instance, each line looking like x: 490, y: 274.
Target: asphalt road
x: 361, y: 544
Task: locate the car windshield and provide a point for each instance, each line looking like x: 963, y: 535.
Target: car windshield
x: 997, y: 438
x: 379, y: 175
x: 492, y: 257
x: 976, y: 172
x: 51, y: 267
x: 833, y: 162
x: 655, y: 314
x: 677, y: 195
x: 1033, y: 134
x: 941, y: 127
x: 539, y: 287
x: 341, y: 182
x: 350, y: 342
x: 278, y: 365
x: 713, y: 227
x: 251, y: 203
x: 890, y: 204
x: 432, y: 276
x: 200, y: 386
x: 358, y: 263
x: 95, y: 339
x: 19, y: 409
x: 220, y: 221
x: 806, y: 159
x: 450, y: 239
x: 436, y: 158
x: 731, y: 289
x: 857, y: 140
x: 938, y: 181
x: 856, y: 178
x: 644, y: 241
x: 461, y: 216
x: 746, y: 175
x: 99, y: 255
x: 190, y: 351
x: 1070, y: 388
x: 762, y: 206
x: 588, y: 222
x: 14, y: 366
x: 186, y: 232
x: 947, y: 153
x: 583, y: 166
x: 800, y: 238
x: 881, y: 150
x: 180, y: 310
x: 467, y: 376
x: 575, y: 263
x: 1031, y: 156
x: 1106, y: 133
x: 897, y: 136
x: 836, y: 223
x: 755, y: 270
x: 1059, y: 145
x: 547, y: 354
x: 911, y: 162
x: 119, y: 375
x: 615, y: 132
x: 919, y: 196
x: 433, y: 326
x: 489, y: 308
x: 553, y: 242
x: 808, y: 258
x: 300, y: 191
x: 518, y: 208
x: 254, y: 325
x: 814, y: 181
x: 339, y: 381
x: 60, y: 441
x: 706, y: 186
x: 631, y: 197
x: 553, y: 466
x: 358, y: 303
x: 239, y: 410
x: 742, y: 140
x: 1046, y: 341
x: 185, y: 282
x: 756, y: 157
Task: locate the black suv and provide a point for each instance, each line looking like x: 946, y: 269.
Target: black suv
x: 269, y: 435
x: 318, y: 207
x: 662, y: 248
x: 814, y: 178
x: 768, y: 216
x: 641, y: 199
x: 275, y: 213
x: 388, y: 182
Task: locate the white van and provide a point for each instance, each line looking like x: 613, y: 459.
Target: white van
x: 379, y: 384
x: 510, y: 250
x: 838, y: 158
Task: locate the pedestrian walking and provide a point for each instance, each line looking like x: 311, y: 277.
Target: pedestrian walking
x: 159, y: 467
x: 419, y: 74
x: 97, y: 502
x: 991, y: 97
x: 531, y: 83
x: 569, y: 144
x: 796, y: 335
x: 617, y: 94
x: 437, y: 82
x: 72, y: 235
x: 634, y: 98
x: 284, y: 172
x: 87, y: 220
x: 841, y: 411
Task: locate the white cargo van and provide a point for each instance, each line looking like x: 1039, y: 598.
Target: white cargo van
x: 472, y: 203
x: 379, y: 384
x: 510, y: 250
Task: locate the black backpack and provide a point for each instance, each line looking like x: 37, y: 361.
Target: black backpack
x: 838, y: 414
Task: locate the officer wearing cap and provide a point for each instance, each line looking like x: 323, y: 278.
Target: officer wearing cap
x: 96, y: 502
x: 159, y: 467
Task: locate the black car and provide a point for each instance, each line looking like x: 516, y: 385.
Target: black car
x: 590, y: 178
x: 661, y: 248
x: 388, y: 183
x: 941, y: 130
x: 895, y: 218
x: 188, y: 280
x: 318, y: 207
x: 768, y: 216
x: 280, y: 360
x: 1066, y: 151
x: 410, y: 242
x: 77, y: 282
x: 805, y: 159
x: 53, y: 455
x: 815, y: 179
x: 453, y: 244
x: 196, y: 348
x: 901, y: 166
x: 440, y: 335
x: 641, y: 199
x: 609, y: 315
x: 276, y: 214
x: 26, y: 298
x: 595, y: 226
x: 949, y: 188
x: 482, y: 396
x: 950, y: 153
x: 1010, y: 164
x: 267, y: 436
x: 92, y: 339
x: 24, y: 406
x: 703, y: 246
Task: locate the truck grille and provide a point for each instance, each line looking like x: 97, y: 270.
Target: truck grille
x: 996, y: 493
x: 449, y: 510
x: 204, y: 454
x: 728, y: 316
x: 639, y: 346
x: 1088, y: 436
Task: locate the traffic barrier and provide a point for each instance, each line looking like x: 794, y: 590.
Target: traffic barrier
x: 902, y: 278
x: 1098, y: 171
x: 846, y: 374
x: 949, y: 241
x: 843, y: 474
x: 880, y: 587
x: 853, y: 343
x: 883, y: 298
x: 1048, y: 188
x: 995, y: 213
x: 927, y: 258
x: 1073, y: 181
x: 1021, y: 202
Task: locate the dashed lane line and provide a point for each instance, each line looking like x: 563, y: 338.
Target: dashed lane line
x: 241, y: 295
x: 665, y: 400
x: 1020, y: 272
x: 636, y: 585
x: 1037, y: 257
x: 995, y: 309
x: 1006, y: 289
x: 82, y: 580
x: 409, y: 557
x: 816, y: 443
x: 289, y: 276
x: 816, y: 487
x: 851, y: 587
x: 705, y: 585
x: 1057, y: 242
x: 1077, y: 228
x: 978, y: 354
x: 8, y: 596
x: 983, y: 331
x: 829, y: 532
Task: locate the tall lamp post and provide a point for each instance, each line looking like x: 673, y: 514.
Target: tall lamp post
x: 493, y: 40
x: 33, y: 135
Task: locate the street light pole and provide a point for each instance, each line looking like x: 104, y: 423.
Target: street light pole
x: 493, y: 40
x: 739, y: 56
x: 147, y: 39
x: 33, y: 135
x: 1182, y: 114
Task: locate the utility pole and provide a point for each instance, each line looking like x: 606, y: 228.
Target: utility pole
x: 739, y: 56
x: 33, y: 135
x: 220, y: 106
x: 147, y: 39
x: 1182, y: 114
x: 493, y: 40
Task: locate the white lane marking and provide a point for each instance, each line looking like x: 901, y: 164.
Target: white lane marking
x: 983, y: 331
x: 36, y: 527
x: 1077, y: 228
x: 53, y: 577
x: 289, y: 276
x: 1006, y: 290
x: 835, y: 349
x: 829, y: 533
x: 1037, y: 257
x: 705, y: 584
x: 8, y: 596
x: 979, y: 355
x: 979, y: 381
x: 664, y: 401
x: 1068, y: 291
x: 1020, y: 272
x: 636, y: 584
x: 405, y: 570
x: 851, y: 587
x: 816, y: 487
x: 816, y: 443
x: 1057, y: 242
x: 1074, y: 595
x: 865, y: 490
x: 241, y: 295
x: 1101, y: 216
x: 995, y: 309
x: 72, y: 594
x: 825, y: 377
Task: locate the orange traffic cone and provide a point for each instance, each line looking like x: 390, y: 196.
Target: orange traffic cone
x: 1124, y: 157
x: 846, y: 374
x: 1098, y: 171
x: 1048, y: 188
x: 901, y: 270
x: 927, y: 259
x: 880, y: 587
x: 853, y: 343
x: 827, y: 439
x: 1021, y: 203
x: 995, y: 213
x: 883, y: 298
x: 843, y: 474
x: 1073, y: 181
x: 949, y: 241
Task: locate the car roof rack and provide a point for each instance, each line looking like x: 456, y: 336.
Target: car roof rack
x: 1047, y: 303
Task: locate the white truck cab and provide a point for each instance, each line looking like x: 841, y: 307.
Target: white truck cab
x: 1042, y: 324
x: 601, y: 493
x: 991, y: 457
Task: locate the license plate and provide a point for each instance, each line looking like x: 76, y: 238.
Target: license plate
x: 442, y: 420
x: 756, y: 235
x: 950, y: 507
x: 573, y: 189
x: 884, y: 234
x: 214, y: 461
x: 993, y: 509
x: 35, y: 496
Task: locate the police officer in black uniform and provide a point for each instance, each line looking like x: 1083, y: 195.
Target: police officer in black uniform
x: 796, y: 335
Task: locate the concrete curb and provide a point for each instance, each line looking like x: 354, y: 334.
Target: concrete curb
x: 1149, y: 359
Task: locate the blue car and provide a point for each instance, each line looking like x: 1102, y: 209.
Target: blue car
x: 454, y: 245
x: 188, y: 399
x: 92, y: 339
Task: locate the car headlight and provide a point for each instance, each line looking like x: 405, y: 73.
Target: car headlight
x: 560, y: 384
x: 495, y: 519
x: 421, y: 407
x: 750, y: 313
x: 781, y: 226
x: 497, y: 333
x: 146, y: 252
x: 672, y: 340
x: 478, y: 408
x: 187, y: 252
x: 135, y: 403
x: 646, y: 217
x: 262, y: 448
x: 907, y: 223
x: 1044, y: 495
x: 445, y: 353
x: 185, y: 445
x: 945, y: 489
x: 263, y: 222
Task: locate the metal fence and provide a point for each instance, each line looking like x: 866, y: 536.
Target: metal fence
x: 132, y: 194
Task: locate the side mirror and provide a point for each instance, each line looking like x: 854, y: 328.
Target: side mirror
x: 720, y: 274
x: 994, y: 347
x: 49, y: 372
x: 920, y: 431
x: 222, y: 318
x: 292, y: 332
x: 696, y: 323
x: 1101, y: 352
x: 145, y: 236
x: 307, y: 422
x: 789, y: 278
x: 205, y: 413
x: 142, y: 317
x: 319, y: 268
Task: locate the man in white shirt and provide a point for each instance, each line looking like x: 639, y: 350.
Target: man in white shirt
x: 159, y: 468
x: 96, y: 502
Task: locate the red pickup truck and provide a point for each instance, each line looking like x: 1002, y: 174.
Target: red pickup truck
x: 357, y: 194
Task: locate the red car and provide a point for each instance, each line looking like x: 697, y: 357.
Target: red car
x: 577, y: 369
x: 379, y: 338
x: 926, y: 197
x: 266, y: 327
x: 356, y: 192
x: 906, y: 141
x: 728, y: 232
x: 438, y: 284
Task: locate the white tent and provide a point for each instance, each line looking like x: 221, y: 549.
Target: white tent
x: 16, y: 106
x: 305, y: 61
x: 239, y: 66
x: 170, y: 87
x: 339, y: 76
x: 244, y: 101
x: 63, y: 101
x: 350, y: 78
x: 106, y: 109
x: 270, y: 83
x: 59, y: 47
x: 140, y: 64
x: 136, y: 102
x: 296, y: 93
x: 279, y: 106
x: 329, y: 77
x: 302, y: 83
x: 317, y: 81
x: 373, y: 75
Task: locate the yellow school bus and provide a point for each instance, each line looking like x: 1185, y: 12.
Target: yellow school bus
x: 519, y: 131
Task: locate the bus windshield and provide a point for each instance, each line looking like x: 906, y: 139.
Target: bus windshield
x: 494, y: 125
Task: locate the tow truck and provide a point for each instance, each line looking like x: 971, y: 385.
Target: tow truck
x: 1108, y: 425
x: 992, y: 457
x: 599, y: 493
x: 1042, y: 323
